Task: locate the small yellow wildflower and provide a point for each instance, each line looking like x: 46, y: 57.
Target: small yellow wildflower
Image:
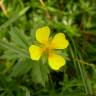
x: 58, y: 42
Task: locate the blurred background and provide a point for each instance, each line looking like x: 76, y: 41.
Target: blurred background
x: 21, y: 76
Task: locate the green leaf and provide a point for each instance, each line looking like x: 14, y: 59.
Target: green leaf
x: 27, y: 93
x: 18, y: 37
x: 13, y: 19
x: 40, y: 73
x: 21, y: 68
x: 13, y: 49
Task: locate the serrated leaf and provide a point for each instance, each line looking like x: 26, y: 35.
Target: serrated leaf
x: 21, y: 68
x: 18, y: 37
x: 40, y: 73
x: 13, y: 49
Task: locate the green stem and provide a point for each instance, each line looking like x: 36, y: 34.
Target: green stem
x: 85, y: 80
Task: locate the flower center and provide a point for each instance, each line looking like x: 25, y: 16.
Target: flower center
x: 46, y: 47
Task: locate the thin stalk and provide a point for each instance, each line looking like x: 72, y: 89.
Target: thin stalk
x: 80, y: 69
x: 87, y: 86
x: 88, y: 83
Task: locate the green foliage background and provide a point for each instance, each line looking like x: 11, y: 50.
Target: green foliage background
x: 20, y: 76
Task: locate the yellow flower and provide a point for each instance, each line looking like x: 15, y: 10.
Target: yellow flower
x: 48, y: 45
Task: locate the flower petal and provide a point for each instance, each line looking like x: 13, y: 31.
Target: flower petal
x: 42, y: 34
x: 56, y: 61
x: 59, y: 41
x: 35, y: 52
